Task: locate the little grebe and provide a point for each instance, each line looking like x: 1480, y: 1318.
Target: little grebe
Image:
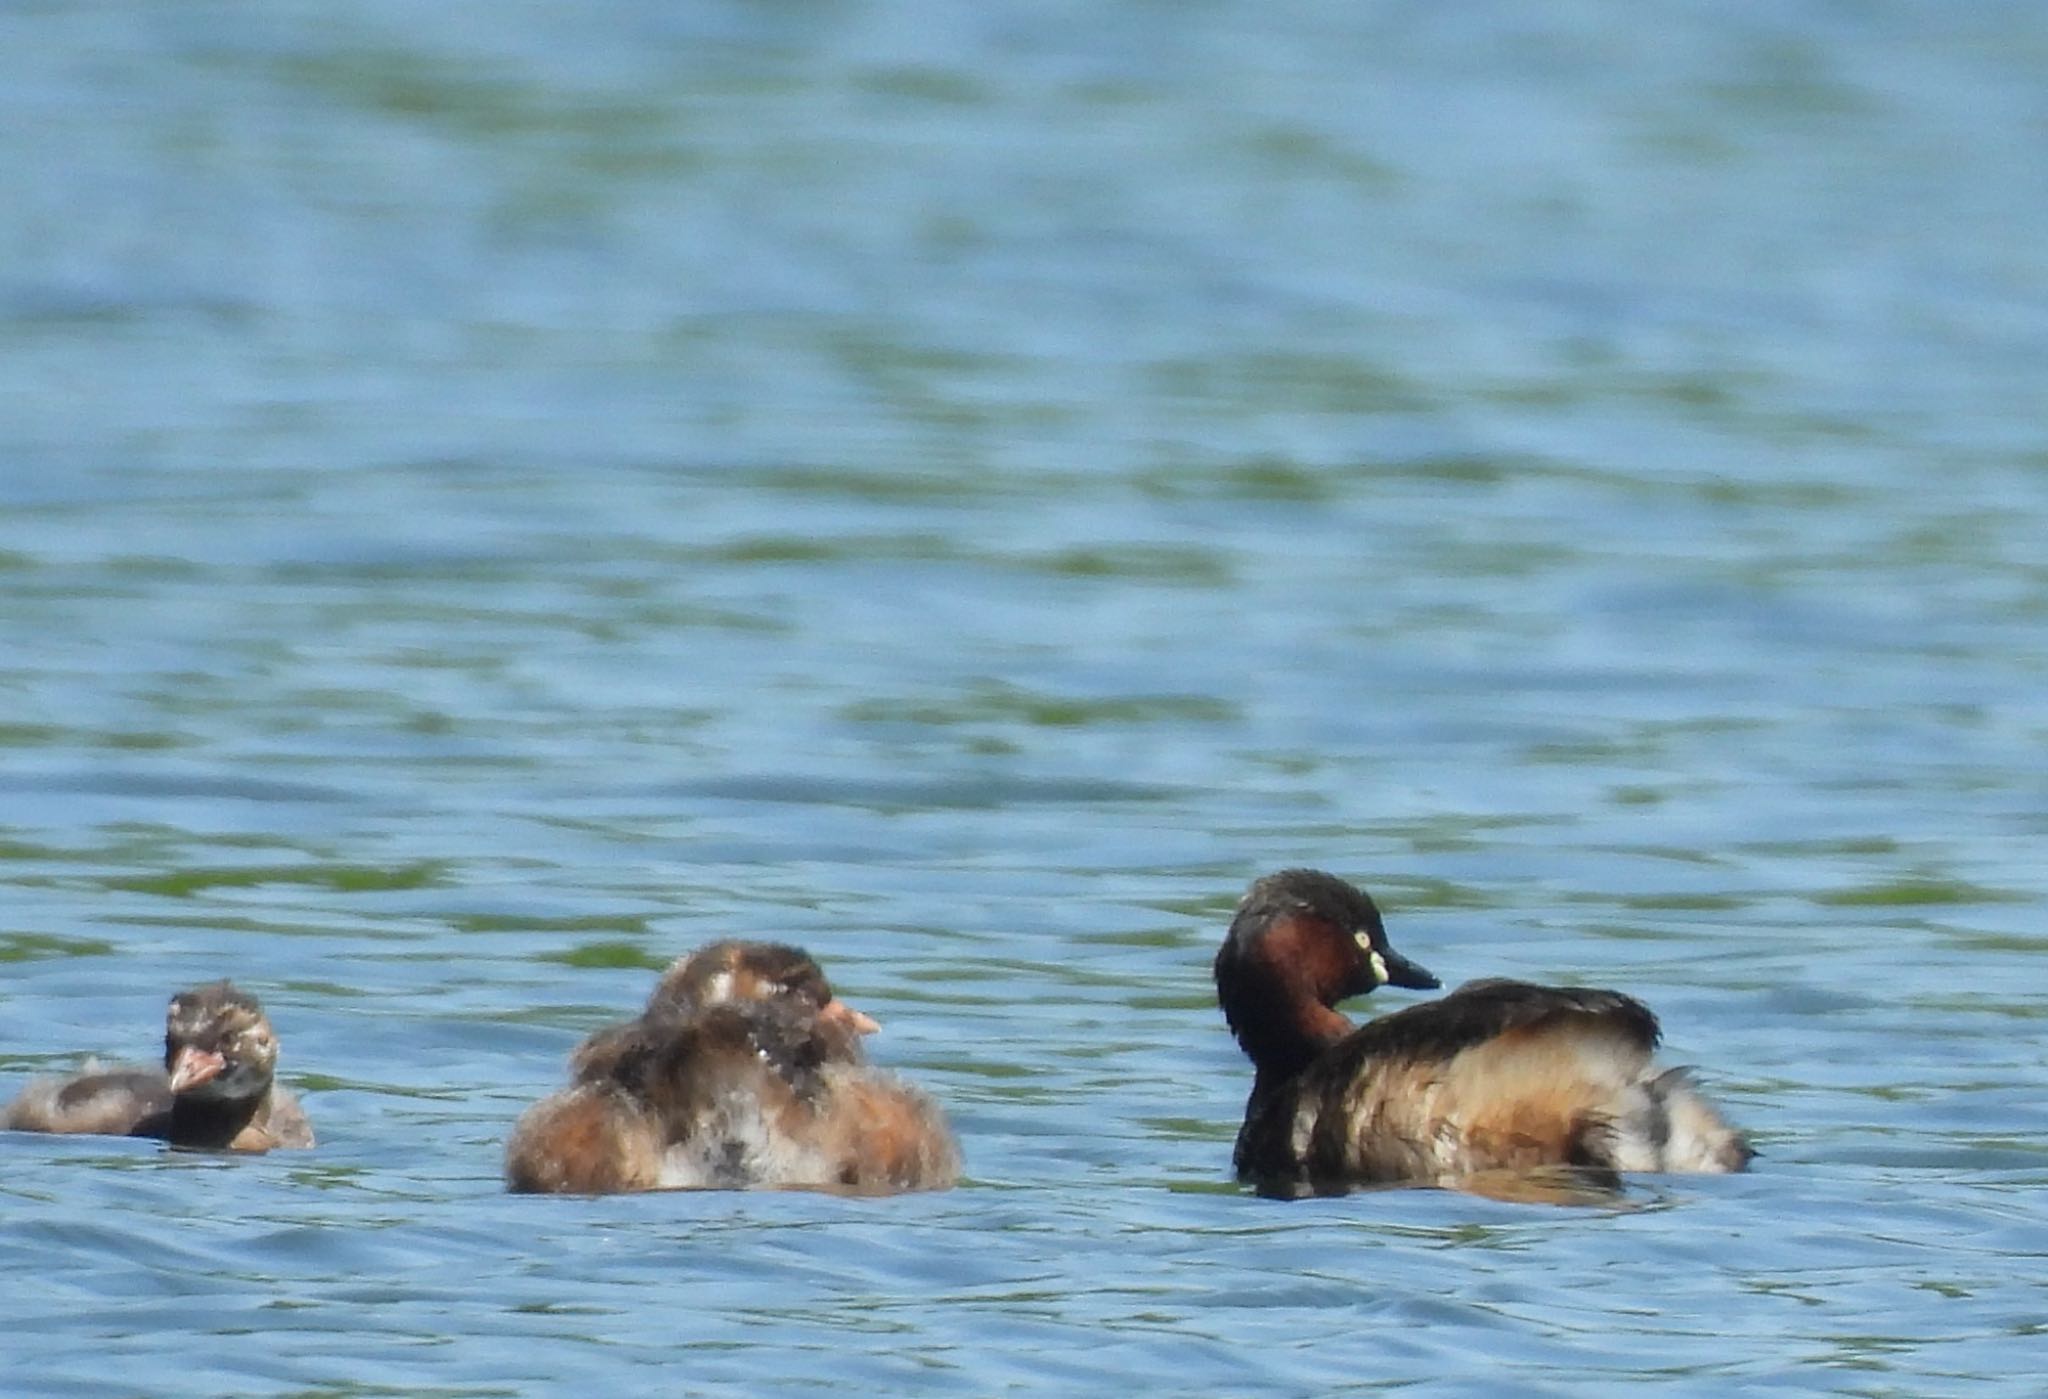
x: 744, y: 1071
x: 1498, y: 1076
x: 217, y: 1089
x: 719, y: 973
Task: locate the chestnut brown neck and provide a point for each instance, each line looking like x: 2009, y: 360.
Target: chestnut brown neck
x: 1281, y: 1047
x: 1275, y: 987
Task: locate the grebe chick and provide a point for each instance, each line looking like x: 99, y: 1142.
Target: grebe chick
x: 217, y: 1089
x: 744, y: 1071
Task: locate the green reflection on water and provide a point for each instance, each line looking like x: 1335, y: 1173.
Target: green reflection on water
x: 527, y: 923
x: 29, y: 947
x: 605, y: 954
x: 1908, y: 892
x: 1010, y: 704
x: 342, y: 878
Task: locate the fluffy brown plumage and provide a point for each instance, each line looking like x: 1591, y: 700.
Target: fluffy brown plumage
x: 744, y: 1071
x: 1498, y: 1076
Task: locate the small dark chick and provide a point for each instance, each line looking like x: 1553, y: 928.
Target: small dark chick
x: 216, y: 1091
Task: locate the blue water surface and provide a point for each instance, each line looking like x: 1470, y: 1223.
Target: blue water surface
x: 495, y: 495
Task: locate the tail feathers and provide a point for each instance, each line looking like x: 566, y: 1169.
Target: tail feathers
x: 1669, y: 1126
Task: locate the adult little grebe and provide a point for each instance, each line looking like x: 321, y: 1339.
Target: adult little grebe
x: 217, y: 1089
x: 744, y: 1071
x: 1498, y: 1076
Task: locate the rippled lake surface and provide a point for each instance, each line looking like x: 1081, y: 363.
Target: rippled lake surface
x: 494, y: 495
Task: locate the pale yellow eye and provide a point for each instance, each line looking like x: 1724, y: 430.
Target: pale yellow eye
x: 1379, y: 969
